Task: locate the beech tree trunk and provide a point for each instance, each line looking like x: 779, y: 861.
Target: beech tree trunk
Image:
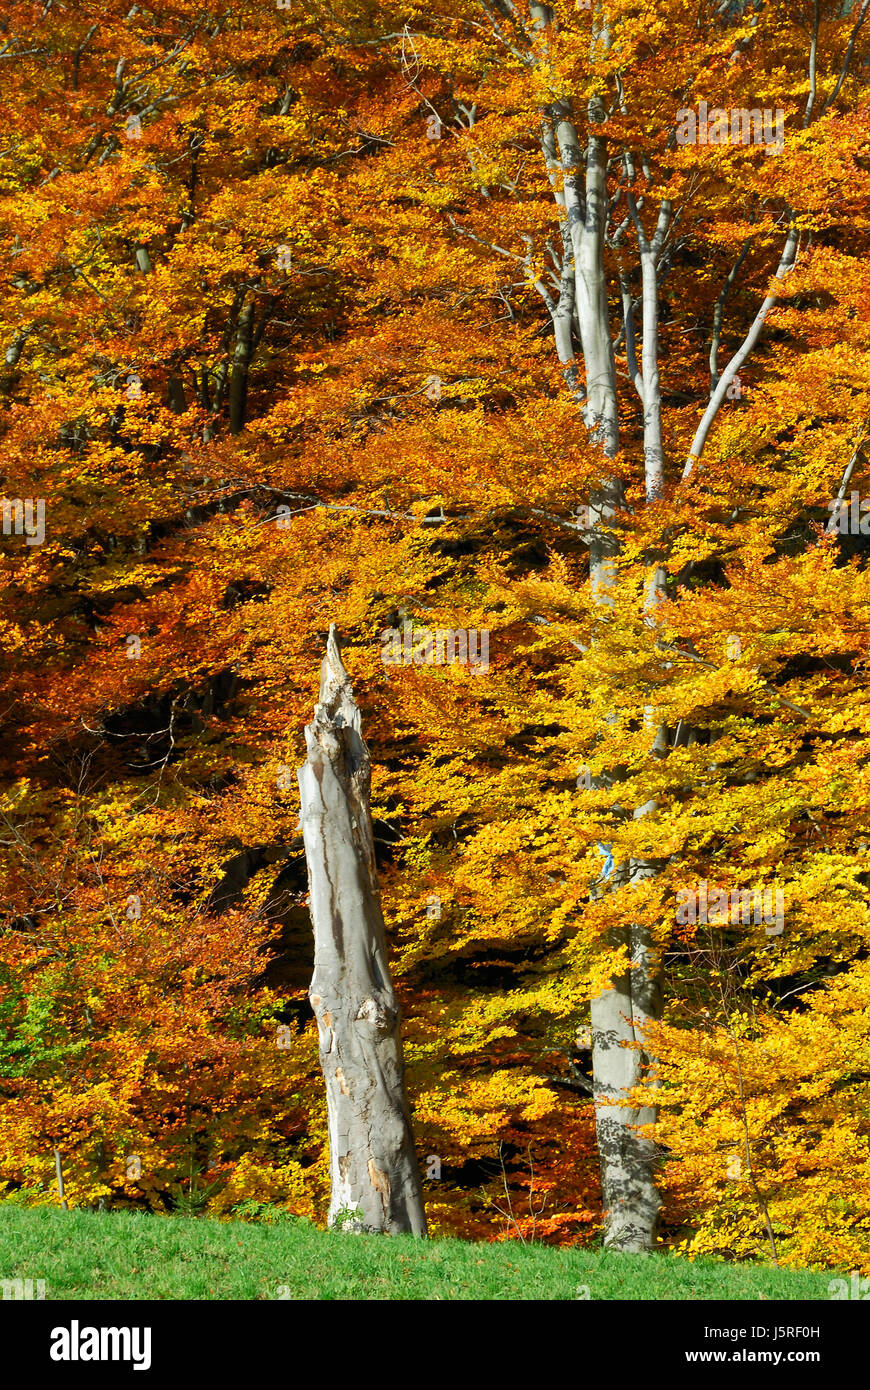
x: 373, y: 1168
x: 627, y: 1157
x: 630, y: 1198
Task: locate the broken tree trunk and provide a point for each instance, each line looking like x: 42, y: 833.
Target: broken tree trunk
x: 373, y: 1168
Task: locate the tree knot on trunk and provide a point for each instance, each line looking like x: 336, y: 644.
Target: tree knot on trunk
x: 374, y: 1011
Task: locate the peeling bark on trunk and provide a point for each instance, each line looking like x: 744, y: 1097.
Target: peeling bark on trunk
x: 373, y: 1167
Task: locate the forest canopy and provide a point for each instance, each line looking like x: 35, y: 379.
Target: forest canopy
x: 530, y: 347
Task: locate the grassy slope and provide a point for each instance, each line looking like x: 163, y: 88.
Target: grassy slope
x: 85, y: 1256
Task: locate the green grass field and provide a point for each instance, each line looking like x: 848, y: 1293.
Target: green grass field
x: 81, y: 1255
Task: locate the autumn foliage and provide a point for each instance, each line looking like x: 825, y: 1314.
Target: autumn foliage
x: 278, y: 353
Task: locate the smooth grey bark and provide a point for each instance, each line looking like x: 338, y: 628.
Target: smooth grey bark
x: 375, y: 1180
x: 620, y: 1060
x: 585, y: 215
x: 628, y: 1159
x: 654, y: 459
x: 618, y: 1015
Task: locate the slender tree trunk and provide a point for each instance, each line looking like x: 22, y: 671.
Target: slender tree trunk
x: 718, y: 396
x: 578, y: 178
x: 58, y: 1168
x: 618, y: 1014
x: 654, y: 459
x: 241, y: 364
x: 373, y: 1167
x: 177, y: 397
